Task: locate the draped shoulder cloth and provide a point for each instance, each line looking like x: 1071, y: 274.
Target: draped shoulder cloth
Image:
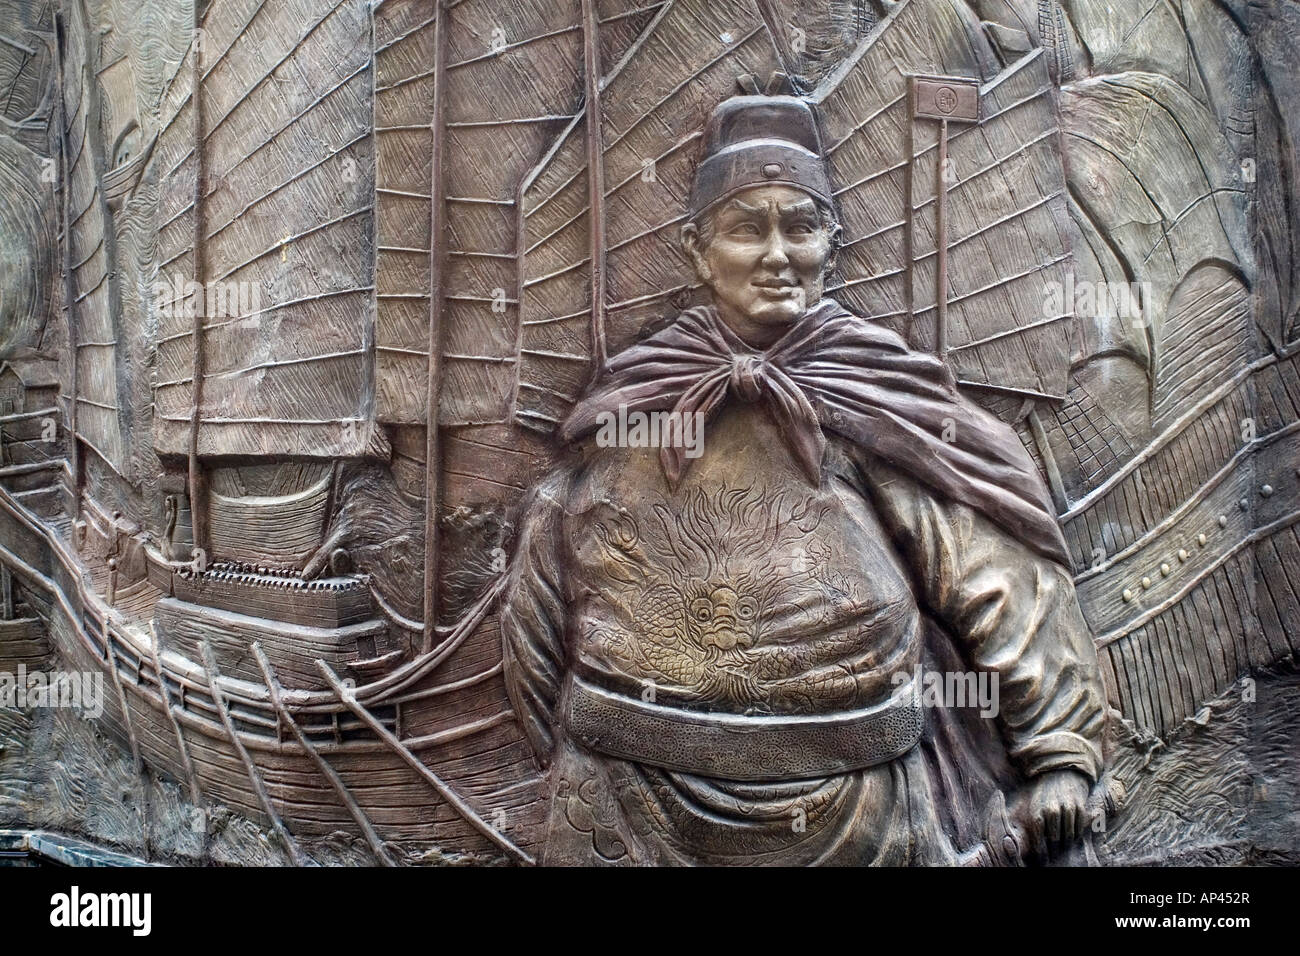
x: 836, y: 372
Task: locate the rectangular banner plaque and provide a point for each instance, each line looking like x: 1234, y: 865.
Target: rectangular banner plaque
x: 946, y: 98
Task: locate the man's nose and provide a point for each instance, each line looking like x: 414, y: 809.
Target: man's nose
x: 774, y: 256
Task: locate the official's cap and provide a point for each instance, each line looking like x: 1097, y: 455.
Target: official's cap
x: 759, y: 141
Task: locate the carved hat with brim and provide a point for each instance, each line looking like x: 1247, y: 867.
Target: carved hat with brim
x: 759, y: 141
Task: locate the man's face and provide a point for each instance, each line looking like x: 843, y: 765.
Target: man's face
x: 765, y: 258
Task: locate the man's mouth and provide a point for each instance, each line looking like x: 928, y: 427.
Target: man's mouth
x: 777, y: 287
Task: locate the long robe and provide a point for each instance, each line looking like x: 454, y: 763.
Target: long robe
x: 827, y: 590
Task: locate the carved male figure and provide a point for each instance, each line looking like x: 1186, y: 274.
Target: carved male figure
x: 706, y: 651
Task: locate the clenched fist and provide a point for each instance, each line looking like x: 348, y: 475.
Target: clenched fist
x: 1055, y: 813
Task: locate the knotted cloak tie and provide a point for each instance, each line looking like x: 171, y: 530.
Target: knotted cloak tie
x: 835, y: 372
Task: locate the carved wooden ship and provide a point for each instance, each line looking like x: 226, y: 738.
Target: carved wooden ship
x: 407, y: 278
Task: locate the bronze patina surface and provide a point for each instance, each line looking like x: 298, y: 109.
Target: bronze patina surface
x: 650, y: 433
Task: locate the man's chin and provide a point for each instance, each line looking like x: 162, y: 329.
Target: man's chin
x: 772, y: 314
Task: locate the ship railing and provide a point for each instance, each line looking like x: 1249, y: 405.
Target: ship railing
x: 249, y: 710
x: 323, y: 717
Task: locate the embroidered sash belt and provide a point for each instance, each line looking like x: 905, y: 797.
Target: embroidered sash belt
x: 741, y: 746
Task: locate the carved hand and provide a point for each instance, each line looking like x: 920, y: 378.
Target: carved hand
x: 1056, y: 810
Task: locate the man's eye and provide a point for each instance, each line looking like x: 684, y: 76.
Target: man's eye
x: 744, y: 229
x: 801, y: 229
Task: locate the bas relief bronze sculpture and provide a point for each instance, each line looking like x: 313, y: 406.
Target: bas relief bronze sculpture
x: 774, y: 731
x: 754, y: 432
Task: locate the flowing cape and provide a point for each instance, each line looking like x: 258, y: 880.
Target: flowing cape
x: 835, y: 372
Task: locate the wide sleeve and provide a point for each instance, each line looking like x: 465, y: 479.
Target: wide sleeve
x: 533, y: 617
x: 1014, y: 612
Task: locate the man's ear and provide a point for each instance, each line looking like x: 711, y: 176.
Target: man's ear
x: 694, y: 249
x: 833, y: 256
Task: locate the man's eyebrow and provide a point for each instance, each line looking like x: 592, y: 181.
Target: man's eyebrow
x: 741, y: 207
x: 802, y: 207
